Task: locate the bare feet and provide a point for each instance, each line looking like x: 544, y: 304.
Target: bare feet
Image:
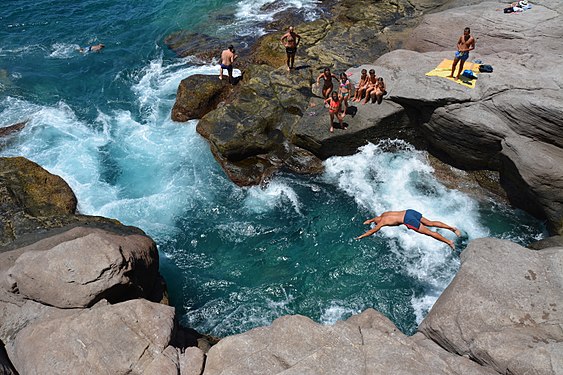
x: 369, y: 221
x: 451, y: 76
x: 331, y: 129
x: 220, y: 77
x: 451, y: 244
x: 288, y: 68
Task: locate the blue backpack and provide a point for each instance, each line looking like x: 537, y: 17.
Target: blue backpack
x: 469, y: 74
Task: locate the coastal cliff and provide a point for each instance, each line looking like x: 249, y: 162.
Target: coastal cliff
x: 81, y: 294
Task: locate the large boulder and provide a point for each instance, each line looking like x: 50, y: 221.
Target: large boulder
x: 503, y: 309
x: 249, y: 135
x: 198, y: 95
x: 129, y: 337
x: 34, y: 203
x: 364, y: 344
x: 81, y: 266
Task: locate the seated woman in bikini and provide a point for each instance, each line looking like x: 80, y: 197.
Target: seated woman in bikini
x: 379, y: 90
x: 327, y: 86
x: 372, y: 81
x: 344, y: 89
x: 335, y: 109
x: 361, y: 86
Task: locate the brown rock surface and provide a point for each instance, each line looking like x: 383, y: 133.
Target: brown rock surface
x: 198, y: 95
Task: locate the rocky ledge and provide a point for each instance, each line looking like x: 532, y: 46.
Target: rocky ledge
x: 510, y: 122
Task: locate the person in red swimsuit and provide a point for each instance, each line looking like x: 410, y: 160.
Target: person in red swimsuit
x: 335, y: 109
x: 413, y: 220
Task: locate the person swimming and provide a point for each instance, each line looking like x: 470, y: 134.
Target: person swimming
x: 413, y: 220
x: 94, y: 48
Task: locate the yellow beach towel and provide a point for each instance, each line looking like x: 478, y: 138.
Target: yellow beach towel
x: 444, y: 69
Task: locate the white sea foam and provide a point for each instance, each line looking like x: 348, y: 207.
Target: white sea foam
x: 275, y: 194
x: 249, y: 13
x: 145, y: 173
x: 63, y: 50
x: 336, y: 312
x: 383, y: 181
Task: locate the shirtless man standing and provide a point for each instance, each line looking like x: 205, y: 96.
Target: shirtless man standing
x: 290, y: 40
x: 465, y: 44
x: 412, y: 220
x: 227, y: 58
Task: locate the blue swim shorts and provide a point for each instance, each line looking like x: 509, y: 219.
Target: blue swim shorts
x: 463, y: 56
x: 412, y: 219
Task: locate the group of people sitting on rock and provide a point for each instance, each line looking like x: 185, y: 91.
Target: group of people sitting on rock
x: 368, y: 88
x: 518, y: 6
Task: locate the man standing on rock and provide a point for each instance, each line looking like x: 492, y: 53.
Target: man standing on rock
x: 465, y: 44
x: 413, y: 220
x: 290, y: 40
x: 227, y: 59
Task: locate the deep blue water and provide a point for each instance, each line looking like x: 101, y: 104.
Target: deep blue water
x: 233, y: 258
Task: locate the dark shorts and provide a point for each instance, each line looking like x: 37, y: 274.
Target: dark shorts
x: 412, y: 219
x: 290, y: 50
x: 228, y: 67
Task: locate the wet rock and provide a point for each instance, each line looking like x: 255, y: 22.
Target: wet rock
x: 248, y: 135
x: 198, y: 95
x: 10, y: 129
x: 30, y: 197
x: 503, y: 308
x: 64, y: 271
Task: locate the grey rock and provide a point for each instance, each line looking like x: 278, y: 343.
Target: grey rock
x: 503, y: 308
x: 79, y: 267
x: 129, y: 337
x: 364, y: 344
x: 191, y: 361
x: 363, y: 123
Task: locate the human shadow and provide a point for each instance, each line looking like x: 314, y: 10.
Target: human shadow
x: 351, y: 110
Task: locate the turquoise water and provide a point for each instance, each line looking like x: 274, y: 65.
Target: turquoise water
x: 233, y: 258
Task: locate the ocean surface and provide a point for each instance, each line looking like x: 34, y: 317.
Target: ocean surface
x: 234, y: 258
